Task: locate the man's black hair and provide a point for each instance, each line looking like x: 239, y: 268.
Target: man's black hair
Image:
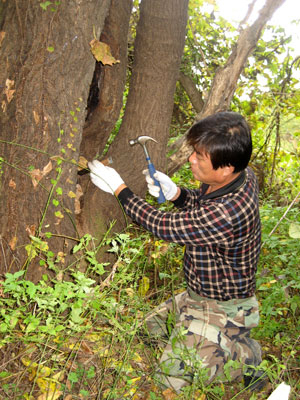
x: 226, y: 137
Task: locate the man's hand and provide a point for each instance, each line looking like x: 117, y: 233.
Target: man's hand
x: 169, y: 188
x: 105, y: 178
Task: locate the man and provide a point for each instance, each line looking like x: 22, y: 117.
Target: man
x: 219, y: 225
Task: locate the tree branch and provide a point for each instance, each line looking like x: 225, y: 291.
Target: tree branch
x: 226, y: 77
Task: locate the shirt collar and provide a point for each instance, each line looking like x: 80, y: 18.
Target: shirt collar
x: 230, y: 188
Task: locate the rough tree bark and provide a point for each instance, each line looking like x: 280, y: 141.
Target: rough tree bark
x: 45, y: 74
x: 106, y: 94
x: 158, y: 49
x: 225, y: 80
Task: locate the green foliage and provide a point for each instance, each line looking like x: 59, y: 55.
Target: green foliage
x: 83, y: 322
x: 98, y: 310
x: 52, y: 4
x: 267, y: 93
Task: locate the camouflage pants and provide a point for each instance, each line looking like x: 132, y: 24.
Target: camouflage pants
x: 205, y: 333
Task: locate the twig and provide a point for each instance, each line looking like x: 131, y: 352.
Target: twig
x: 284, y: 215
x: 110, y: 277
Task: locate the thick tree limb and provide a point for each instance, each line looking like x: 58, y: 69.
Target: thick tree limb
x: 191, y: 89
x: 225, y: 80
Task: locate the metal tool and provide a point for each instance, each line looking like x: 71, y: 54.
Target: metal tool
x: 142, y: 140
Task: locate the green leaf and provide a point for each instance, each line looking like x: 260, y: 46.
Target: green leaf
x: 31, y: 289
x: 45, y: 5
x: 91, y: 372
x: 73, y: 377
x: 75, y: 315
x: 294, y: 231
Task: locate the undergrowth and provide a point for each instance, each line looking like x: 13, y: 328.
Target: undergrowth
x: 80, y: 338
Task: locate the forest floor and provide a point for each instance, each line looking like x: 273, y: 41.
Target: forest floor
x: 78, y: 339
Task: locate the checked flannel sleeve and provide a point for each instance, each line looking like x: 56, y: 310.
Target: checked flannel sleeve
x: 221, y: 235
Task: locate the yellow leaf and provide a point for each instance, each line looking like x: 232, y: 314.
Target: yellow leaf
x: 58, y: 214
x: 101, y: 51
x: 137, y: 358
x: 130, y: 292
x: 49, y: 387
x: 72, y: 194
x: 28, y: 397
x: 31, y: 251
x: 28, y: 362
x: 45, y: 371
x: 144, y: 285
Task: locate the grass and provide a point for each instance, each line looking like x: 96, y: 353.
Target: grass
x: 78, y: 339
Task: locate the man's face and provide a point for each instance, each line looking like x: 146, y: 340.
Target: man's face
x: 203, y: 171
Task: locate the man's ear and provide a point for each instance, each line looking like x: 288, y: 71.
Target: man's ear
x: 228, y: 170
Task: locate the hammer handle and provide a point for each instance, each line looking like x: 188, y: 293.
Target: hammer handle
x: 152, y: 170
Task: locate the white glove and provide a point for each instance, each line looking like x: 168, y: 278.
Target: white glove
x: 281, y: 392
x: 169, y: 188
x: 105, y: 178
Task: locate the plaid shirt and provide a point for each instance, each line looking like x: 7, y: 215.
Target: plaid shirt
x: 221, y: 231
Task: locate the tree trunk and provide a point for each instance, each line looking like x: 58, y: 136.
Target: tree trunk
x: 45, y: 75
x: 225, y: 80
x: 104, y: 117
x: 106, y: 94
x: 157, y: 56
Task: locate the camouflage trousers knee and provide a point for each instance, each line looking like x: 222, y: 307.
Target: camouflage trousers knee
x: 205, y: 335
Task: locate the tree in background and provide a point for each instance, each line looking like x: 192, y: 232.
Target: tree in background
x: 57, y: 104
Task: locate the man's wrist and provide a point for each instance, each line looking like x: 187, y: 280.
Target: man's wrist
x: 177, y: 194
x: 119, y: 189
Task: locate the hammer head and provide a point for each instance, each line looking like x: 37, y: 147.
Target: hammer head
x: 142, y: 140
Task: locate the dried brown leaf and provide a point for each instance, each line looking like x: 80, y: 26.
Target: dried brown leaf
x: 36, y: 176
x: 31, y: 229
x: 47, y: 168
x: 36, y: 117
x: 79, y: 193
x: 12, y: 243
x: 82, y: 163
x: 2, y: 36
x: 12, y: 184
x: 169, y: 394
x: 4, y: 106
x: 9, y: 91
x: 101, y: 51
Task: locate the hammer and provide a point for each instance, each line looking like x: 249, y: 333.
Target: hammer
x: 142, y: 140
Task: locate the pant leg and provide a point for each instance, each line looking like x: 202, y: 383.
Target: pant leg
x: 163, y: 318
x: 207, y: 334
